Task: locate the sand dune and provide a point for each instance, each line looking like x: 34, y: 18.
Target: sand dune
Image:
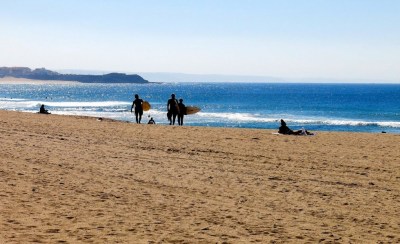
x: 77, y: 179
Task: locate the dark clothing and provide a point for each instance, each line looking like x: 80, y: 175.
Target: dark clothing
x: 182, y: 113
x: 173, y: 110
x: 43, y: 110
x: 172, y: 106
x: 137, y: 103
x: 182, y: 109
x: 285, y: 130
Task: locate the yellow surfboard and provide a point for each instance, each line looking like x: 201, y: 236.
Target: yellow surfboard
x: 146, y: 106
x: 192, y: 109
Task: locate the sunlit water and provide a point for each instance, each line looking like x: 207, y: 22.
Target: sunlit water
x: 328, y: 107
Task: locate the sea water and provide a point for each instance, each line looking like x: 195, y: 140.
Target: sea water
x: 316, y: 107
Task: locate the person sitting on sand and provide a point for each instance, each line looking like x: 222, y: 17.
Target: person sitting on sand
x: 151, y: 121
x: 138, y: 105
x: 42, y: 110
x: 285, y: 130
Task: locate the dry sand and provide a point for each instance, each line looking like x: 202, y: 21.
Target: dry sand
x: 76, y: 179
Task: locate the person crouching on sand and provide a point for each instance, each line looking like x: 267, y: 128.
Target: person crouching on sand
x: 138, y: 105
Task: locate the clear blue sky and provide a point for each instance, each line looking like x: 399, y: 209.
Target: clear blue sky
x: 331, y: 39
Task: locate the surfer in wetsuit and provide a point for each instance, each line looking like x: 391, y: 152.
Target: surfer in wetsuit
x: 151, y: 121
x: 137, y: 104
x: 173, y: 109
x: 182, y: 111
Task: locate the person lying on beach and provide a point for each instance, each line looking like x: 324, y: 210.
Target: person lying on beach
x: 42, y: 110
x: 285, y: 130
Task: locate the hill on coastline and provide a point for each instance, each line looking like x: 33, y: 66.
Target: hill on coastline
x: 44, y: 74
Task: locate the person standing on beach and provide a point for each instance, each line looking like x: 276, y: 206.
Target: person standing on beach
x: 182, y: 111
x: 138, y: 105
x: 173, y: 109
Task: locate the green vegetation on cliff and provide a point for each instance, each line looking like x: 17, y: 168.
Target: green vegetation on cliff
x: 44, y: 74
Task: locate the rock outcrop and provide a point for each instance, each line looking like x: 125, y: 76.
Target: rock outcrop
x: 44, y: 74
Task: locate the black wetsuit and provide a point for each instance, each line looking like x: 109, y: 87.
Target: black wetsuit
x: 43, y: 110
x: 173, y: 110
x: 137, y: 103
x: 285, y: 130
x: 182, y: 113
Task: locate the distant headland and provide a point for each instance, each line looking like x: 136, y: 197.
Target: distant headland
x: 44, y: 74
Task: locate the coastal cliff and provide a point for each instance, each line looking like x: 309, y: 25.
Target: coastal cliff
x: 44, y: 74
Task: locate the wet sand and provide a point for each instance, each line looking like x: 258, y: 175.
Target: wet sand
x: 66, y: 179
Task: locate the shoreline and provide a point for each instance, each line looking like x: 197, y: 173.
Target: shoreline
x: 220, y: 116
x: 274, y: 130
x: 79, y: 179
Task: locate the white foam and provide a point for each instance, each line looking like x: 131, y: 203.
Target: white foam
x: 345, y: 122
x: 121, y: 110
x: 11, y: 99
x: 86, y: 104
x: 238, y: 117
x: 10, y: 104
x: 246, y: 117
x: 21, y: 103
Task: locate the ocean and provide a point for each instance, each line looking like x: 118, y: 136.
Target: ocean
x: 316, y: 107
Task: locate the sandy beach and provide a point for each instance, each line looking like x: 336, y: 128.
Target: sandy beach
x: 66, y: 179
